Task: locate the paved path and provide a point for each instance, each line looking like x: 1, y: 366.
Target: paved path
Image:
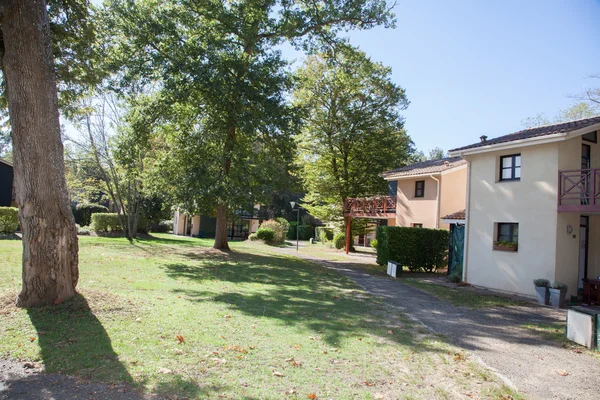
x: 525, y: 361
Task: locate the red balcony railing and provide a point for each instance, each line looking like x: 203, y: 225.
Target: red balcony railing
x: 382, y: 206
x: 579, y: 190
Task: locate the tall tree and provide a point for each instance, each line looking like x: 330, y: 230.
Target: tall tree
x: 353, y: 129
x: 583, y: 109
x: 436, y: 154
x: 217, y: 63
x: 50, y: 259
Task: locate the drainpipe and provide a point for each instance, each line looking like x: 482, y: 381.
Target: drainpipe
x: 437, y: 201
x: 467, y: 215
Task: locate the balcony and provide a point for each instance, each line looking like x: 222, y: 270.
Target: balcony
x: 579, y: 190
x: 372, y: 207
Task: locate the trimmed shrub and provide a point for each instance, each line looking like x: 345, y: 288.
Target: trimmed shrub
x: 163, y: 226
x: 414, y: 248
x: 9, y: 219
x: 83, y: 212
x: 253, y: 237
x: 339, y: 241
x: 324, y: 234
x: 285, y: 226
x: 374, y: 243
x: 85, y: 231
x: 541, y: 282
x: 266, y: 234
x: 305, y: 232
x: 291, y: 233
x: 277, y: 228
x: 106, y: 222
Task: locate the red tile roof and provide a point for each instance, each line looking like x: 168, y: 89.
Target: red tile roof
x: 425, y: 167
x: 457, y: 215
x: 563, y: 127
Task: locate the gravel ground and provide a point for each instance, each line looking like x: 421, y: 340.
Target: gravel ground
x: 25, y: 381
x: 537, y: 368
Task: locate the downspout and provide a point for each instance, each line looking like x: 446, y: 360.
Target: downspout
x: 467, y: 214
x: 437, y: 201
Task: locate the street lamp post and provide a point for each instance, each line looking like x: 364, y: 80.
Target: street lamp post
x: 293, y: 203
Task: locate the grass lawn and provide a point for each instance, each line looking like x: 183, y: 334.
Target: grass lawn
x: 170, y: 315
x: 462, y: 297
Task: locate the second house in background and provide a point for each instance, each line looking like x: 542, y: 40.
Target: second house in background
x: 427, y: 191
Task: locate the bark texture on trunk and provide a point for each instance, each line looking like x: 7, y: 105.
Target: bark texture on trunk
x: 221, y: 228
x: 50, y: 258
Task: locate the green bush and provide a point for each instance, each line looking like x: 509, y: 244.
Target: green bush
x: 414, y: 248
x: 83, y: 212
x: 324, y: 234
x: 161, y: 226
x: 266, y: 234
x: 305, y: 232
x: 277, y: 228
x: 106, y: 222
x: 85, y: 231
x: 291, y: 233
x: 374, y: 243
x: 285, y: 226
x: 339, y: 241
x: 9, y: 219
x: 253, y: 237
x: 541, y: 282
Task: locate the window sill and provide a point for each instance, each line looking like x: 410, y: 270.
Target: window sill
x: 512, y: 249
x: 508, y: 180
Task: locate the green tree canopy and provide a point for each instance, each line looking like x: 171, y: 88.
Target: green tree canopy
x: 353, y: 129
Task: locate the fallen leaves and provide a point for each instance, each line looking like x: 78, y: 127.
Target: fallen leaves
x: 312, y: 396
x: 278, y: 374
x: 562, y: 373
x: 165, y: 371
x: 459, y: 357
x: 180, y: 338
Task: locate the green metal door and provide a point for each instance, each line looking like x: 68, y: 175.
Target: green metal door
x: 457, y: 248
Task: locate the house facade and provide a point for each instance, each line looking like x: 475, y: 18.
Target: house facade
x: 427, y: 191
x: 533, y: 207
x: 204, y: 226
x: 7, y: 189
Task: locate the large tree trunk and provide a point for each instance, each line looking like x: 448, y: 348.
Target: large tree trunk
x: 50, y: 247
x: 221, y: 228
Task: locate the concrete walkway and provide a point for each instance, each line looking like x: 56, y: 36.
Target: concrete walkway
x: 537, y: 368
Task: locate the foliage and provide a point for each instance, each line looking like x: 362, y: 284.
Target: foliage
x: 374, y: 243
x: 163, y: 226
x: 339, y: 241
x: 9, y: 219
x: 559, y: 286
x: 414, y: 248
x: 505, y: 243
x: 305, y: 232
x: 106, y: 222
x: 83, y: 212
x: 83, y: 231
x: 253, y: 237
x: 436, y: 154
x: 352, y: 131
x: 576, y: 111
x: 541, y: 282
x: 291, y: 233
x: 285, y: 226
x: 266, y: 234
x: 324, y: 234
x: 277, y: 228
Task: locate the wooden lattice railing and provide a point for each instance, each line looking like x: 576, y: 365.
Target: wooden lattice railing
x: 579, y: 190
x: 371, y: 206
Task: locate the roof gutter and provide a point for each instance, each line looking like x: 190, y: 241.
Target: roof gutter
x: 510, y: 145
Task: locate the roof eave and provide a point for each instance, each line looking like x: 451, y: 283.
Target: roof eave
x: 393, y: 176
x: 510, y: 145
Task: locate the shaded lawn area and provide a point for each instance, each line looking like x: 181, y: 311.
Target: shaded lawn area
x: 170, y: 315
x: 462, y: 297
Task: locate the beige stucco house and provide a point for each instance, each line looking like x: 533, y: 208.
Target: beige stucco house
x: 204, y: 226
x: 427, y: 191
x: 539, y: 189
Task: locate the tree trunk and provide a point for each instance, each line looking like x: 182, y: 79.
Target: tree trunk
x: 50, y: 247
x: 221, y: 228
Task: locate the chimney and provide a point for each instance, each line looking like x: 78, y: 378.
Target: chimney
x: 446, y: 163
x: 483, y: 138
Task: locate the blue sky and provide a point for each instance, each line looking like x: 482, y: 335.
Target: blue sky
x: 474, y: 67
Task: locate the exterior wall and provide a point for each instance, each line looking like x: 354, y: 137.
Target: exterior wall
x: 195, y: 225
x: 391, y: 222
x: 179, y: 220
x: 453, y: 193
x: 416, y: 210
x: 531, y: 202
x: 253, y: 225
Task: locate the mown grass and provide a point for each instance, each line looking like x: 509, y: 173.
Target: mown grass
x: 556, y: 332
x: 462, y: 297
x: 172, y: 316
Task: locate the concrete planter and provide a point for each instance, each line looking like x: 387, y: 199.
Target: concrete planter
x: 557, y: 297
x: 543, y: 295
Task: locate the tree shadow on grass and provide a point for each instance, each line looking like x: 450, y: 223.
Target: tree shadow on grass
x: 294, y: 292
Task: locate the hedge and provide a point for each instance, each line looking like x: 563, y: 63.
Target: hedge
x: 339, y: 241
x: 414, y: 248
x: 83, y: 212
x: 291, y: 233
x: 9, y: 219
x: 266, y: 234
x: 324, y: 234
x: 106, y: 222
x: 163, y: 226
